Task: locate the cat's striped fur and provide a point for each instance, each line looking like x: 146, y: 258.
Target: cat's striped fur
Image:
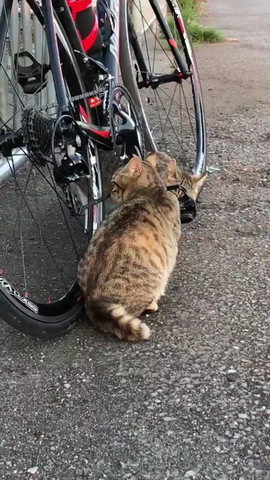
x: 129, y: 260
x: 127, y: 265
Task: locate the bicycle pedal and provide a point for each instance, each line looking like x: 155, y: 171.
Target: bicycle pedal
x: 32, y: 78
x: 187, y: 204
x: 187, y: 209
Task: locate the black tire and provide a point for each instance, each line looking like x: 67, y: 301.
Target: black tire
x: 40, y: 325
x: 193, y: 154
x: 58, y: 316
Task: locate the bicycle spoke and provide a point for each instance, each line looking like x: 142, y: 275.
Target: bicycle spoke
x: 35, y: 221
x: 39, y: 252
x: 41, y: 236
x: 178, y: 104
x: 59, y: 197
x: 65, y: 218
x: 189, y: 116
x: 150, y: 29
x: 21, y: 243
x: 144, y: 31
x: 159, y: 117
x: 173, y: 129
x: 19, y: 207
x: 170, y: 105
x: 173, y: 108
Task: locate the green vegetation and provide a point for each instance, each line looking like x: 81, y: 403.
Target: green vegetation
x: 191, y: 9
x: 199, y: 33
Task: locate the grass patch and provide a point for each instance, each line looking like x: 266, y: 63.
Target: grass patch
x: 202, y: 34
x: 199, y: 33
x: 191, y: 9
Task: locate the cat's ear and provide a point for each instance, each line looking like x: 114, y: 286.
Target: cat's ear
x: 197, y: 183
x: 200, y: 179
x: 172, y: 173
x: 134, y: 167
x: 151, y: 157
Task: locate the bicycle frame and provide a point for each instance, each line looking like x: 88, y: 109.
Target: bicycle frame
x: 4, y: 18
x: 154, y: 80
x: 110, y: 60
x: 112, y: 52
x: 111, y: 56
x: 100, y: 135
x: 96, y: 127
x: 174, y: 8
x: 60, y: 9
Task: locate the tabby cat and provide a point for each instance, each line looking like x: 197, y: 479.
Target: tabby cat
x: 172, y: 174
x: 129, y: 260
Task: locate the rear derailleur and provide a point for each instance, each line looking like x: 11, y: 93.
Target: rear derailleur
x: 61, y: 144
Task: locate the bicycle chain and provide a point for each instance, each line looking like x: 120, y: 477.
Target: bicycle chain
x: 37, y: 127
x: 74, y: 98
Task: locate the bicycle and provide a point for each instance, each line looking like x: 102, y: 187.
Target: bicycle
x: 79, y: 98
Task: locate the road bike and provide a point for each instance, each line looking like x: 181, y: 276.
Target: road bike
x: 82, y: 89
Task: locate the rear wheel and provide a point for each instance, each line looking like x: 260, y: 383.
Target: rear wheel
x: 45, y: 224
x: 170, y: 103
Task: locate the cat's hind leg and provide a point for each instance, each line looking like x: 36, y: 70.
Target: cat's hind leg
x: 152, y: 307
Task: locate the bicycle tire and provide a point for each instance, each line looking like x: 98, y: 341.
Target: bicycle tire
x: 198, y: 162
x: 25, y: 314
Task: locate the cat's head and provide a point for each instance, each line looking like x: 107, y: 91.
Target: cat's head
x: 171, y: 173
x: 136, y: 175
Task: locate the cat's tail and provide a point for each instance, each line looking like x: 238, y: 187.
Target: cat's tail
x: 113, y: 318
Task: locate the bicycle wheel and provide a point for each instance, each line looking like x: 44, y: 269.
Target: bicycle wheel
x: 157, y: 49
x: 44, y: 228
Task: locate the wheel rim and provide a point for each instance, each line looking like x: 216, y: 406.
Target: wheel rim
x: 40, y: 241
x: 174, y: 111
